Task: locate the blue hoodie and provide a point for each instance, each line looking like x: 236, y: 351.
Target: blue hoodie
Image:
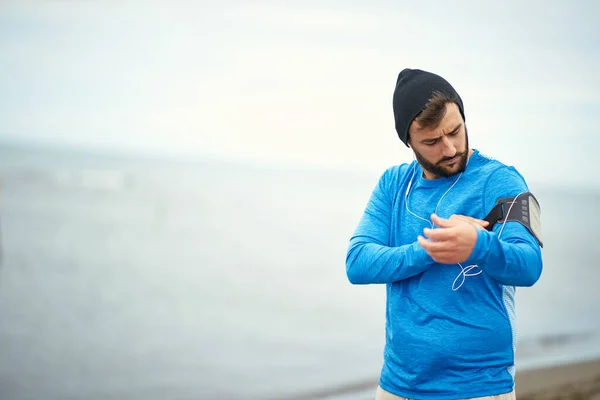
x: 445, y: 340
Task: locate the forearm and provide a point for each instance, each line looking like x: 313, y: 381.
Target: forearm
x: 368, y: 262
x: 512, y: 261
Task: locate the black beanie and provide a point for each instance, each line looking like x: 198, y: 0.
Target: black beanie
x: 414, y: 89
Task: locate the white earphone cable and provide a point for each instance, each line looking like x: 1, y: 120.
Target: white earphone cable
x: 438, y: 203
x: 465, y: 272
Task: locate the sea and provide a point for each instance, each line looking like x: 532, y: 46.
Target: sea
x: 169, y: 278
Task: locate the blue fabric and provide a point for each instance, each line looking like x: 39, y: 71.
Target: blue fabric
x: 440, y: 343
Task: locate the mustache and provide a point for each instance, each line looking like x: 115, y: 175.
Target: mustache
x: 450, y: 158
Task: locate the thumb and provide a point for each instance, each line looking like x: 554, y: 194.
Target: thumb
x: 442, y: 222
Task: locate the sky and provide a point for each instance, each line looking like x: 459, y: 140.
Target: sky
x: 302, y: 82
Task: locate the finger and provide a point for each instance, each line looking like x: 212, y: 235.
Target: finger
x: 443, y: 258
x: 440, y: 234
x: 463, y: 218
x: 433, y: 246
x: 441, y: 222
x: 479, y: 222
x: 475, y: 222
x: 469, y: 219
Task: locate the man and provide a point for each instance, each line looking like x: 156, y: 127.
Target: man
x: 450, y: 276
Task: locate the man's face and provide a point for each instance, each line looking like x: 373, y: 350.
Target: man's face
x: 442, y: 151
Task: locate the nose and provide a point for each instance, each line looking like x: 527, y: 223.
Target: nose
x: 448, y: 150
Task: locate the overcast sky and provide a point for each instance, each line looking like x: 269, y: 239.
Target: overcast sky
x: 307, y: 82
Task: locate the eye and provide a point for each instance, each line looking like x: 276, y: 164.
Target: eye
x: 454, y: 133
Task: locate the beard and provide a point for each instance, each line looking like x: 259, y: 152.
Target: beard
x: 441, y: 170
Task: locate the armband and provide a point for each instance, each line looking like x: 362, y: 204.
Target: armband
x: 523, y: 208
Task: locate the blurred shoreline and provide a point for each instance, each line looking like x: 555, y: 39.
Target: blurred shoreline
x: 568, y: 381
x: 571, y: 381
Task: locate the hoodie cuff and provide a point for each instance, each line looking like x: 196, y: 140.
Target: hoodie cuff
x: 480, y: 250
x: 420, y: 255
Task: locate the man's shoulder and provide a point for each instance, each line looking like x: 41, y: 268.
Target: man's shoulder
x: 399, y: 171
x: 498, y: 173
x: 394, y: 177
x: 490, y: 162
x: 492, y: 166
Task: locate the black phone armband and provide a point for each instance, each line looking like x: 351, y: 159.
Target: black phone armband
x: 523, y: 208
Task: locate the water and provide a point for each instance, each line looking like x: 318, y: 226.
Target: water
x: 151, y: 279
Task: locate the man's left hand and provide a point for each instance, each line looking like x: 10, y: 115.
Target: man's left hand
x: 453, y: 242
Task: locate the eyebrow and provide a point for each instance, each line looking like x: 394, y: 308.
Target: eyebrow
x: 431, y: 140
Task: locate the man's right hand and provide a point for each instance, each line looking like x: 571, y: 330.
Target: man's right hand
x: 477, y: 223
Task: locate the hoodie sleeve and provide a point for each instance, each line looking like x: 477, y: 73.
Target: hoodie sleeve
x: 369, y: 258
x: 511, y: 255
